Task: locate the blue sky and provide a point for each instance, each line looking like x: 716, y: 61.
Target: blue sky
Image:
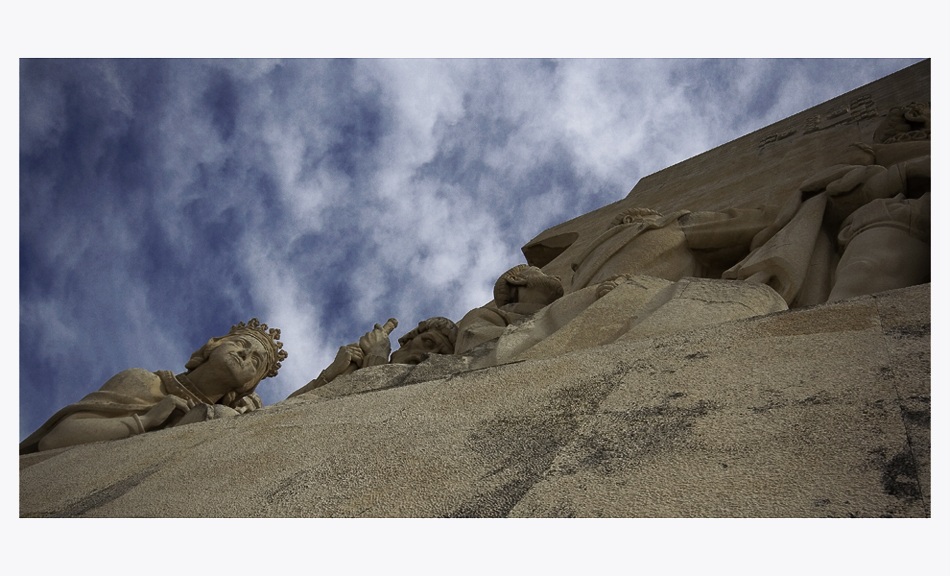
x: 162, y: 201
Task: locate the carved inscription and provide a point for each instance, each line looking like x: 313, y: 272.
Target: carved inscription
x: 776, y: 137
x: 860, y: 108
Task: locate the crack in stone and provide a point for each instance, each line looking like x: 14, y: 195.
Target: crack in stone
x: 105, y: 495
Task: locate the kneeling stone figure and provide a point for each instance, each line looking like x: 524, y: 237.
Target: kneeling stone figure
x: 433, y: 336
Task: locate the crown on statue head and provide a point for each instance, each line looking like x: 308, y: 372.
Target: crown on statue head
x: 269, y: 338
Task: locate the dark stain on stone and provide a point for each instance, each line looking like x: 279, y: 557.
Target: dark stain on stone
x: 770, y: 405
x: 497, y: 502
x: 899, y: 476
x: 105, y: 495
x: 285, y: 487
x: 816, y: 399
x: 911, y: 331
x: 624, y: 439
x: 916, y: 411
x: 526, y: 445
x: 918, y: 417
x: 522, y: 446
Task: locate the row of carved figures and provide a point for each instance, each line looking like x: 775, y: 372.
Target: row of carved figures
x: 858, y: 227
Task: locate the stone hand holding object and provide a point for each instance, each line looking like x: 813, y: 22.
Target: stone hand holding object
x: 348, y: 359
x: 375, y: 344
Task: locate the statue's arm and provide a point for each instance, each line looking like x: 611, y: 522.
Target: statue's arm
x: 85, y: 427
x: 730, y: 228
x: 859, y: 185
x: 479, y: 326
x: 348, y: 359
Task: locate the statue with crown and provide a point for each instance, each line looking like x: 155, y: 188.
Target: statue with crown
x: 220, y: 381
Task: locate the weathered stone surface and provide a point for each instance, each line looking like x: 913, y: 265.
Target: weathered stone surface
x: 674, y: 394
x: 816, y: 412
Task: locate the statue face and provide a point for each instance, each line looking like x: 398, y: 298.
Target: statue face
x: 919, y: 113
x: 240, y: 357
x: 412, y: 352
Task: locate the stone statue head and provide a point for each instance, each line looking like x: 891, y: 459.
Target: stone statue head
x: 262, y: 346
x: 433, y: 336
x: 527, y: 284
x: 905, y: 123
x: 633, y: 215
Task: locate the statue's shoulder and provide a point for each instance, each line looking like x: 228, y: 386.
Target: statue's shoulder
x: 133, y: 378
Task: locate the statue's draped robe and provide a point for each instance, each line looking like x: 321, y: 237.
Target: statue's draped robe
x: 674, y: 246
x: 800, y: 259
x: 132, y: 391
x: 489, y: 322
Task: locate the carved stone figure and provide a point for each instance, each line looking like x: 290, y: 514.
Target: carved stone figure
x: 855, y: 228
x: 630, y: 308
x: 672, y: 246
x: 220, y: 380
x: 519, y: 292
x: 433, y: 336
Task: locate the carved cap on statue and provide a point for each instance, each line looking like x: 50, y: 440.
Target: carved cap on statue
x: 269, y: 338
x: 512, y: 277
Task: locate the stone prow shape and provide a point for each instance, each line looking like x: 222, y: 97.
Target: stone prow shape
x: 820, y: 411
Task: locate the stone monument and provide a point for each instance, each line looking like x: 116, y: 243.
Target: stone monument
x: 746, y: 334
x: 220, y: 380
